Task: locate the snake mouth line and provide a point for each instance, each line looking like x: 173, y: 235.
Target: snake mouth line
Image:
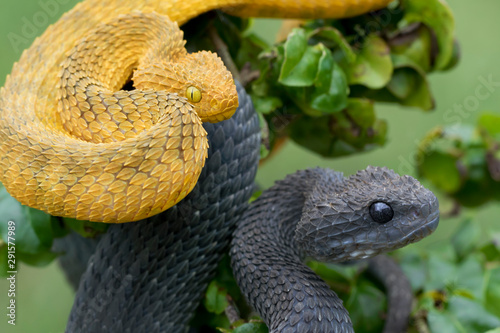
x: 424, y: 230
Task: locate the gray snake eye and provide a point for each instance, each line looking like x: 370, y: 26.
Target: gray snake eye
x: 381, y: 212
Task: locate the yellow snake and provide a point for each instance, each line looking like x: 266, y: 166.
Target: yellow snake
x: 73, y: 144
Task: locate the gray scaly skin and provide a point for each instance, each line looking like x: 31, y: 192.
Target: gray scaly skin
x: 149, y: 276
x: 317, y: 213
x: 74, y: 254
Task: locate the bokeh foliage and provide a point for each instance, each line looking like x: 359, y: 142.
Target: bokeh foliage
x: 463, y: 161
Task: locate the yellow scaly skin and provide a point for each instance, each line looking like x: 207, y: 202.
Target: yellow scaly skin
x: 74, y: 145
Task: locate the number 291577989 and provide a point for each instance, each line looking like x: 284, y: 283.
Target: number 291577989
x: 11, y: 245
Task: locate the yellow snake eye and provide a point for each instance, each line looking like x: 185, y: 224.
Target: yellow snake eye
x: 193, y: 94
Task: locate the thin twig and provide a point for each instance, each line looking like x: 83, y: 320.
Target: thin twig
x: 248, y: 75
x: 223, y: 52
x: 231, y: 311
x: 421, y: 322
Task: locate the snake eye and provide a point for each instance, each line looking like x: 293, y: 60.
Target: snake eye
x: 193, y: 94
x: 381, y: 212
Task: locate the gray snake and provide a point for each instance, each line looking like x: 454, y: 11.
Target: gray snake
x: 149, y: 276
x: 320, y: 214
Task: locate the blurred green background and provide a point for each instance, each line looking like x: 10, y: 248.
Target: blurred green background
x: 44, y: 299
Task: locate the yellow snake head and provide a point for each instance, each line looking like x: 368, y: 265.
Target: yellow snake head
x: 200, y: 77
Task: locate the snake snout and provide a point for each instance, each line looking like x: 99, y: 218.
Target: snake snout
x: 222, y: 108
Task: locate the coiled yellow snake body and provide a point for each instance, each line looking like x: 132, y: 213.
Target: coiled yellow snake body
x: 73, y: 144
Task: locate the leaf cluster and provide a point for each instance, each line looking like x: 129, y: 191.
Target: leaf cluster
x: 35, y: 232
x: 463, y: 160
x: 318, y: 87
x: 457, y: 283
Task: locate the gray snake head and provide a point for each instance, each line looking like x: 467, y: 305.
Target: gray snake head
x: 370, y: 212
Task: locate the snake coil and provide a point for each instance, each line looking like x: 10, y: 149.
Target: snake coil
x: 149, y: 276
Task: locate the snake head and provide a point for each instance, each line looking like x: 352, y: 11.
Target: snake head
x: 201, y: 77
x: 370, y: 212
x: 218, y: 97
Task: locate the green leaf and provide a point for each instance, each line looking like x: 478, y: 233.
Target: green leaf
x: 33, y: 232
x: 86, y: 228
x: 332, y: 34
x: 466, y: 239
x: 472, y: 315
x: 251, y: 328
x: 225, y: 279
x: 249, y: 50
x: 409, y: 84
x: 491, y: 250
x: 334, y: 274
x: 337, y: 135
x: 490, y: 122
x: 441, y: 273
x: 415, y: 268
x: 366, y: 304
x: 455, y: 56
x: 215, y: 298
x: 402, y: 83
x: 470, y: 276
x: 437, y: 15
x: 41, y: 223
x: 58, y: 227
x: 301, y: 61
x: 331, y: 90
x: 361, y: 111
x: 267, y: 104
x: 444, y: 322
x: 373, y: 66
x: 4, y: 268
x: 441, y: 170
x: 496, y: 330
x: 463, y: 134
x: 415, y: 46
x: 492, y: 291
x: 462, y: 315
x: 39, y: 259
x: 265, y: 143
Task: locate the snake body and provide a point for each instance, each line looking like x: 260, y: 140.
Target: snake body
x: 73, y: 144
x: 149, y: 276
x: 317, y: 213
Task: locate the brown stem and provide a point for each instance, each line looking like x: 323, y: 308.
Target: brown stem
x: 231, y: 311
x: 223, y: 52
